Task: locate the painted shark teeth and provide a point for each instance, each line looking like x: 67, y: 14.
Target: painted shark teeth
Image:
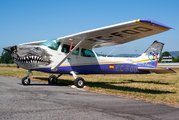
x: 30, y: 59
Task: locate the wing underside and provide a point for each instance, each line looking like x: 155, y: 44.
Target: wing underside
x: 117, y: 34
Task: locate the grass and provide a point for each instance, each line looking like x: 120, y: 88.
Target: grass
x: 162, y: 88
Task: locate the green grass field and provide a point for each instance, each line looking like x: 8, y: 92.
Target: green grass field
x: 162, y: 88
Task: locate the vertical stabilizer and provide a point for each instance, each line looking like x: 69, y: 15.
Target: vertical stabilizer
x: 155, y: 47
x: 152, y: 54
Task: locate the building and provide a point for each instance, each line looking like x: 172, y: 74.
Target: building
x: 167, y: 59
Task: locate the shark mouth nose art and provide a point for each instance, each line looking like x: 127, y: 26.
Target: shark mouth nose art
x: 30, y: 59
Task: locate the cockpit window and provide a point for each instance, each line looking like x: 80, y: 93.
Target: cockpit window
x: 52, y: 44
x: 97, y: 54
x: 66, y: 49
x: 87, y: 53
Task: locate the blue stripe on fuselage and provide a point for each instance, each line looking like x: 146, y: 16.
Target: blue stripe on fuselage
x: 119, y: 68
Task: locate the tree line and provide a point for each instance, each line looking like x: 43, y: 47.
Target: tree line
x: 6, y: 58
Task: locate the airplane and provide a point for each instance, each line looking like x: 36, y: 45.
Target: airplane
x: 73, y: 54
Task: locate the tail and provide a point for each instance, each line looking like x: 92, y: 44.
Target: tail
x: 151, y: 56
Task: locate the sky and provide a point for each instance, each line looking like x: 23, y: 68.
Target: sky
x: 23, y: 21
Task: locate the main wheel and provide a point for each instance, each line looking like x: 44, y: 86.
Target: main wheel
x: 52, y: 79
x: 79, y: 82
x: 25, y: 81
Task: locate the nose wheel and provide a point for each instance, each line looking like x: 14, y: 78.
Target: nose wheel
x: 26, y: 80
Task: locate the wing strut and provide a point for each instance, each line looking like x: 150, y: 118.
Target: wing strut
x: 55, y: 68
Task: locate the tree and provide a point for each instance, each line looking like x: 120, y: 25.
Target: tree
x: 177, y: 59
x: 6, y: 57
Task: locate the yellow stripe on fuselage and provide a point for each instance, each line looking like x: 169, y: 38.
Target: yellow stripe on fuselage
x: 111, y: 62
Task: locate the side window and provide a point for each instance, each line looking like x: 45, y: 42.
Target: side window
x: 76, y: 52
x: 86, y: 53
x: 66, y: 49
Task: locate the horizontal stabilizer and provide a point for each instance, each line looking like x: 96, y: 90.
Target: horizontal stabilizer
x: 157, y: 70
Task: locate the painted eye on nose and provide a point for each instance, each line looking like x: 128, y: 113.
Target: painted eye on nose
x: 37, y: 48
x: 14, y: 48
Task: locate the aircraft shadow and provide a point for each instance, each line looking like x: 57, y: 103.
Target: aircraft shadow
x: 61, y: 82
x: 135, y: 81
x: 42, y: 84
x: 126, y: 88
x: 108, y: 85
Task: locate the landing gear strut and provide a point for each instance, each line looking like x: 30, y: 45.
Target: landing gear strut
x: 53, y: 79
x: 26, y: 80
x: 79, y: 82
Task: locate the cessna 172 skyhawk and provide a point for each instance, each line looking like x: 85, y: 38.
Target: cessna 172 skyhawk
x: 73, y: 54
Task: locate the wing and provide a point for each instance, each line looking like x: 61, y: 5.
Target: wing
x: 116, y: 34
x: 158, y: 70
x: 34, y: 43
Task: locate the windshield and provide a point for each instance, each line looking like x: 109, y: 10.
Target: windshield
x: 52, y: 44
x: 97, y: 54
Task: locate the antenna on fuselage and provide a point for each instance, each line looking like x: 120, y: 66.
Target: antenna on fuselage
x: 136, y: 53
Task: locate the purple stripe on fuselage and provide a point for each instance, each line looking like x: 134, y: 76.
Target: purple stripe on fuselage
x: 147, y: 64
x: 122, y: 68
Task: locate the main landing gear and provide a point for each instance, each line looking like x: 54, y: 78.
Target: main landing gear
x: 53, y: 79
x: 79, y: 82
x: 26, y: 80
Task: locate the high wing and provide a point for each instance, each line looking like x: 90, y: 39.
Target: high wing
x: 34, y: 43
x: 114, y: 34
x: 157, y: 70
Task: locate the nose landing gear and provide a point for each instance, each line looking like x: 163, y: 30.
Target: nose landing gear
x: 26, y: 80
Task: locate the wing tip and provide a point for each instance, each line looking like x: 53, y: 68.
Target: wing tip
x: 152, y: 23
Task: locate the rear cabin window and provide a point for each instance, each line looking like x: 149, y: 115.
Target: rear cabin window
x: 87, y: 53
x: 66, y: 49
